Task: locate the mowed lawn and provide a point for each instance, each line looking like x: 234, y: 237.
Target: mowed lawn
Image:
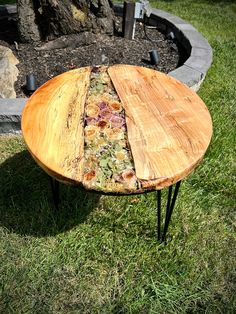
x: 99, y: 254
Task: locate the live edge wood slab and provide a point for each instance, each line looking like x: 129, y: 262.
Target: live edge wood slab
x: 116, y: 129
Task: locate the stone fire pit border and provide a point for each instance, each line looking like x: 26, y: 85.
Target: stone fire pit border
x: 192, y: 72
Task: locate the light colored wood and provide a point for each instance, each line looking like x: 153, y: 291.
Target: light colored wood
x: 53, y: 126
x: 169, y: 126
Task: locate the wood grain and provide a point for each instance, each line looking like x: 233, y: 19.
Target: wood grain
x: 169, y: 126
x: 53, y: 126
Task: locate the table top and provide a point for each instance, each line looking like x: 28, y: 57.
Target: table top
x: 116, y: 129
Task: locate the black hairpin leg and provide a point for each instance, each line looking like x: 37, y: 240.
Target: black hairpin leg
x: 55, y: 191
x: 161, y: 236
x: 159, y: 215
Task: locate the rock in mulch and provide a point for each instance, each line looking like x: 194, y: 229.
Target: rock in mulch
x: 8, y: 73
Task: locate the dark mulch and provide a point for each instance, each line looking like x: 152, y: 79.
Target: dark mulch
x: 105, y: 50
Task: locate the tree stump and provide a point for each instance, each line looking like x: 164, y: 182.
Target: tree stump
x: 48, y: 19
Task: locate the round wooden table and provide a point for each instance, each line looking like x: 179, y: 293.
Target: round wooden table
x: 117, y: 129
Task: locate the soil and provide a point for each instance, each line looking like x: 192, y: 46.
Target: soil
x: 45, y: 64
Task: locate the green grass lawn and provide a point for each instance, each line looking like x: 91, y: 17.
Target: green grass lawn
x: 7, y: 2
x: 99, y: 254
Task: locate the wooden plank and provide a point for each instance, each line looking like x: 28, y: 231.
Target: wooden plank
x: 53, y: 126
x: 169, y: 126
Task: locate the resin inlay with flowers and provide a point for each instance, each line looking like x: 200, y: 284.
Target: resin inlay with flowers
x: 108, y: 164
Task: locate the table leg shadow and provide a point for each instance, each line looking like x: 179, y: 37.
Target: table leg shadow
x: 161, y: 230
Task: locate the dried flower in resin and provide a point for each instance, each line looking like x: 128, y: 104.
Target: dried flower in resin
x: 115, y: 106
x: 114, y: 134
x: 90, y: 175
x: 91, y: 131
x: 117, y: 121
x: 92, y: 110
x: 108, y: 164
x: 121, y: 155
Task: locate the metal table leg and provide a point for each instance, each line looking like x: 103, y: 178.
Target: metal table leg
x: 55, y: 192
x: 159, y: 215
x: 161, y: 236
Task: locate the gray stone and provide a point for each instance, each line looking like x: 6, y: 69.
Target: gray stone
x: 200, y: 59
x: 8, y: 9
x: 186, y: 27
x: 10, y: 127
x: 168, y: 16
x: 166, y: 23
x: 11, y: 8
x: 195, y: 39
x: 202, y: 52
x: 12, y: 106
x: 8, y: 73
x: 188, y: 76
x: 193, y: 72
x: 10, y: 114
x: 163, y: 14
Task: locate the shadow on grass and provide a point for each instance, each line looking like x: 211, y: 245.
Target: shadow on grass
x: 26, y: 205
x: 208, y: 1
